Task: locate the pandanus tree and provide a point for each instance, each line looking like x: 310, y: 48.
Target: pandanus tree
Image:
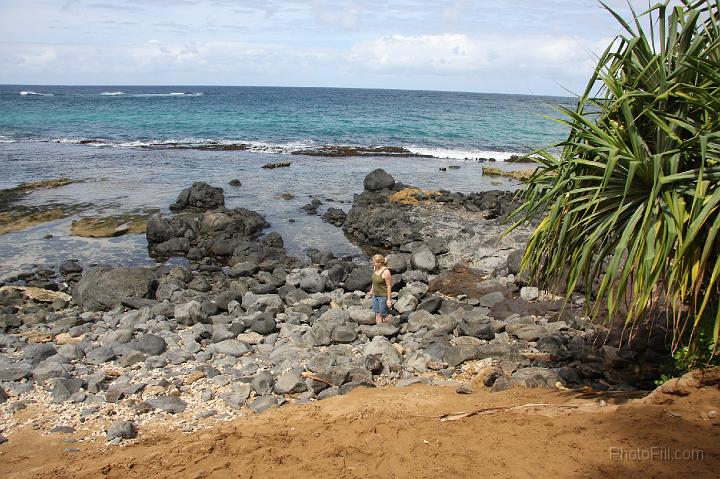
x: 630, y: 204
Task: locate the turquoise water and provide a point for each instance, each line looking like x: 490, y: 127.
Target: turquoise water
x: 439, y: 124
x: 134, y: 148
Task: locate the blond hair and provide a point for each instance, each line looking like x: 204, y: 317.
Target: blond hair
x: 378, y: 258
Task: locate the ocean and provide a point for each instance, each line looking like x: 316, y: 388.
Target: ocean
x: 136, y: 147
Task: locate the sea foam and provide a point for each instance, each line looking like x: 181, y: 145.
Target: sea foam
x: 34, y: 93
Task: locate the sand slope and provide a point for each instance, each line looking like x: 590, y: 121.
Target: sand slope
x: 397, y: 432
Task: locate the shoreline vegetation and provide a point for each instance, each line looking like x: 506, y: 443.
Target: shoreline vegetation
x: 632, y: 203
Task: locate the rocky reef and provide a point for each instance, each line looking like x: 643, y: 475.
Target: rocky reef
x: 243, y: 327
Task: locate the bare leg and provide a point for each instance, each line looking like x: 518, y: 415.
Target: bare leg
x: 378, y: 318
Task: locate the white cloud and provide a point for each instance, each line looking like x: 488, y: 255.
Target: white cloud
x: 454, y: 53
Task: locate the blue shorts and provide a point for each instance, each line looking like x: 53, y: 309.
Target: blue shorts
x: 379, y: 305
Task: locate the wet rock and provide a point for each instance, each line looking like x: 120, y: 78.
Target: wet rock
x: 199, y: 197
x: 70, y: 267
x: 377, y: 180
x: 334, y: 216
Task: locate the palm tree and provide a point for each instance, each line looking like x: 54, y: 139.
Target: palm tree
x: 630, y: 207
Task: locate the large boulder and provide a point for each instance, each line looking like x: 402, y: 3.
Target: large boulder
x: 199, y: 197
x: 104, y: 289
x: 378, y: 180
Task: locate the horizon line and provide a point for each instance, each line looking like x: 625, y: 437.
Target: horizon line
x: 276, y: 86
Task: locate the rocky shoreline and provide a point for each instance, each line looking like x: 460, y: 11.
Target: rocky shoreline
x: 243, y: 327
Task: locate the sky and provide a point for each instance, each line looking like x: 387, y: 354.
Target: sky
x: 500, y: 46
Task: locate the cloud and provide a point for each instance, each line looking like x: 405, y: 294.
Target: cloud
x: 456, y: 54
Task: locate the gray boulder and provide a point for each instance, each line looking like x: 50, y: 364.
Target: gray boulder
x: 424, y: 260
x: 151, y: 344
x: 199, y: 197
x: 312, y: 282
x: 121, y: 430
x: 189, y: 313
x: 50, y: 369
x: 262, y: 383
x: 263, y: 403
x: 359, y: 279
x: 535, y: 377
x: 15, y: 372
x: 377, y: 180
x: 169, y: 404
x: 101, y: 290
x: 397, y: 262
x: 290, y: 382
x: 231, y: 347
x: 406, y: 304
x: 237, y: 397
x: 64, y: 388
x: 264, y: 324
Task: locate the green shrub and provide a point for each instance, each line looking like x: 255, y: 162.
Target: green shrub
x: 631, y: 205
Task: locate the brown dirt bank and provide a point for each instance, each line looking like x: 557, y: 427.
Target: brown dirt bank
x: 392, y: 433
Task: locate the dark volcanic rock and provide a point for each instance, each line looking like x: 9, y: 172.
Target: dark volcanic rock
x: 334, y: 216
x: 101, y: 290
x: 378, y: 180
x: 121, y: 430
x: 359, y: 279
x: 199, y: 197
